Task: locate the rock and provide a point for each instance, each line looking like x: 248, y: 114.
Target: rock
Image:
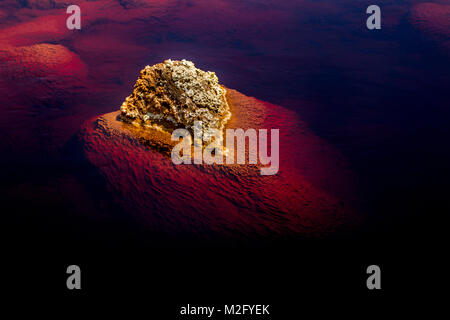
x: 306, y: 197
x: 173, y: 95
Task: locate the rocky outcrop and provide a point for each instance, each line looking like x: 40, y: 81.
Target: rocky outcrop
x: 306, y: 197
x: 175, y: 94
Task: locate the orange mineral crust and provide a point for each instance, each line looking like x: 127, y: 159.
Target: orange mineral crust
x: 308, y: 196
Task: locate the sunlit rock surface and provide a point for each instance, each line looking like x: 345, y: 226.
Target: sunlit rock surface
x: 175, y: 94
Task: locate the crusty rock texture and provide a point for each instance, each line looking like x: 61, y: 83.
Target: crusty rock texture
x: 173, y: 95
